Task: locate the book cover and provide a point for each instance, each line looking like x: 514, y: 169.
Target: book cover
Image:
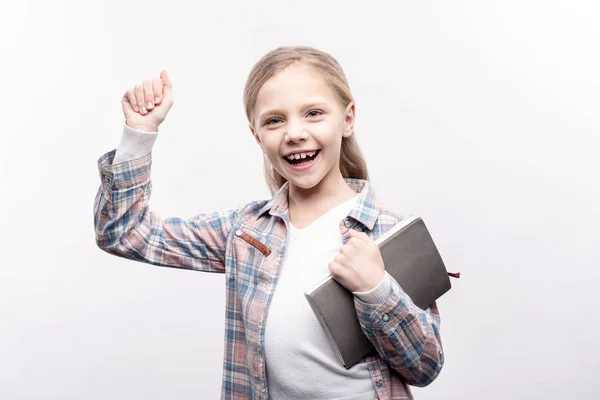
x: 411, y: 258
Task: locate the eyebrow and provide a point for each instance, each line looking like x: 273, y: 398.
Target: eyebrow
x: 303, y: 107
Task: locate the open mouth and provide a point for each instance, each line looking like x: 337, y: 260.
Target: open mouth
x: 302, y: 161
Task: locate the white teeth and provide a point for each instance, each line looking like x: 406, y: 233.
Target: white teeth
x: 301, y: 155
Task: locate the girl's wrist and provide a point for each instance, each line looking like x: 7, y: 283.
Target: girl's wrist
x: 143, y: 128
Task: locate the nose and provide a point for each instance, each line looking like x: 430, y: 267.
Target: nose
x: 295, y: 132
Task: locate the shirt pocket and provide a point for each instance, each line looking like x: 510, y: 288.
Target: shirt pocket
x: 254, y: 254
x: 251, y: 238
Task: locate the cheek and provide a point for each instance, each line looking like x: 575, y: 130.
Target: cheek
x: 327, y: 132
x: 271, y: 148
x: 332, y: 138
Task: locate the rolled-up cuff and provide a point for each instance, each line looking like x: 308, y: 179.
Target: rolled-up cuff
x: 379, y: 294
x: 134, y: 144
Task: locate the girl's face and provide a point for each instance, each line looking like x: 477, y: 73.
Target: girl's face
x: 297, y: 113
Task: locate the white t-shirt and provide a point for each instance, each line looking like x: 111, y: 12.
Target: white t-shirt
x: 300, y: 361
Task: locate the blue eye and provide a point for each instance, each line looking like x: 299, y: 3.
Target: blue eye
x: 314, y: 111
x: 272, y: 120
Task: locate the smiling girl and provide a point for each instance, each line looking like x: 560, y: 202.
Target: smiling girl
x: 322, y: 219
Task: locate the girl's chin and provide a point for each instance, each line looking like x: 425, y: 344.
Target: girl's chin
x: 307, y: 182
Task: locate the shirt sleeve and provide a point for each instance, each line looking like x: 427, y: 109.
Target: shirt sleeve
x: 405, y: 336
x: 125, y: 226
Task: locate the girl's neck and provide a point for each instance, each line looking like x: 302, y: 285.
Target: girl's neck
x: 307, y: 205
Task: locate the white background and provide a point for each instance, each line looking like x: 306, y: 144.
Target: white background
x: 481, y: 117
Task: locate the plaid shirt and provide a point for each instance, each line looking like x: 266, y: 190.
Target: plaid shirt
x: 247, y: 244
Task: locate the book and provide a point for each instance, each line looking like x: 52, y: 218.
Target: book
x: 411, y: 258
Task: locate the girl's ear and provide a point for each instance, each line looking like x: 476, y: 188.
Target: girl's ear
x: 349, y: 115
x: 256, y: 137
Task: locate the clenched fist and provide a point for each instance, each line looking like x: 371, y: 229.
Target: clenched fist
x: 147, y: 104
x: 359, y: 265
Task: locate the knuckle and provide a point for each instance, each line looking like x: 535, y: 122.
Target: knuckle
x: 333, y: 268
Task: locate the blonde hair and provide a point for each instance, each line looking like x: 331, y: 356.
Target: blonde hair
x: 352, y: 162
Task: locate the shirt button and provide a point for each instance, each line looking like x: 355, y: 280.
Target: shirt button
x: 107, y: 178
x: 385, y: 317
x: 378, y: 382
x: 238, y: 232
x: 347, y: 223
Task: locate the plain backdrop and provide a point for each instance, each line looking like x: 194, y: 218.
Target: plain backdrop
x: 482, y: 117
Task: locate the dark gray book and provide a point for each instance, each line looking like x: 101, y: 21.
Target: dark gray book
x: 411, y: 258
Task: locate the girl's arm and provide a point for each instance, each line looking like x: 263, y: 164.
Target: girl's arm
x: 406, y: 337
x: 125, y: 226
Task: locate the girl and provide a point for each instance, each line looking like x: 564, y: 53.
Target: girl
x: 323, y: 218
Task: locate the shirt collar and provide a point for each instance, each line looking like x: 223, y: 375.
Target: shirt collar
x: 366, y: 209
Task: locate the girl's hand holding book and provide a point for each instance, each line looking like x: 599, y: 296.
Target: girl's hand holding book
x: 359, y: 265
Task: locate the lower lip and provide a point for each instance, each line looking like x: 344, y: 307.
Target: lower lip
x: 305, y: 166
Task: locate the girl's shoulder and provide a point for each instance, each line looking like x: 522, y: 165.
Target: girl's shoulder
x: 251, y: 209
x: 252, y: 212
x: 386, y: 219
x: 387, y: 215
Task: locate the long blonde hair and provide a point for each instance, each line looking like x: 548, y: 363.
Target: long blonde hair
x: 352, y: 162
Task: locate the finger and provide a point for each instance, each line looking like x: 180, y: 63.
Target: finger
x: 129, y: 96
x: 148, y: 94
x: 342, y: 259
x: 335, y: 269
x: 355, y: 243
x: 168, y: 87
x: 354, y: 232
x: 359, y: 235
x: 157, y: 85
x: 351, y: 247
x: 139, y: 98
